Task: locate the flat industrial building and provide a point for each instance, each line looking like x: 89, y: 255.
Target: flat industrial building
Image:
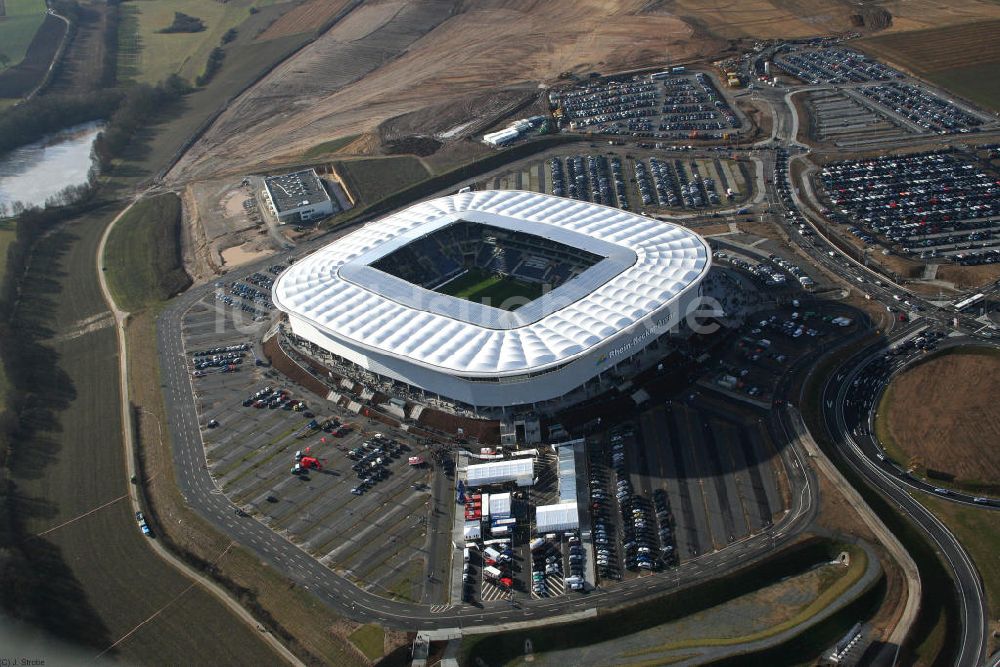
x: 298, y: 197
x: 579, y: 288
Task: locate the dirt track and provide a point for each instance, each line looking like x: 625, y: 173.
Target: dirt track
x: 945, y: 412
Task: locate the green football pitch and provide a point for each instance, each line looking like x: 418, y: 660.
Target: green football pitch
x: 492, y: 290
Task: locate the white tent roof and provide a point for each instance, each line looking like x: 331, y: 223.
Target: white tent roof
x: 500, y: 504
x: 648, y: 265
x: 567, y: 471
x: 472, y: 530
x: 496, y: 472
x: 550, y: 518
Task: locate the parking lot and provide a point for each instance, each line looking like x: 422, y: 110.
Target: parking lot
x: 773, y: 272
x: 672, y: 106
x: 838, y: 117
x: 305, y: 467
x: 690, y: 478
x: 928, y: 205
x: 921, y: 108
x: 770, y: 341
x: 834, y: 64
x: 871, y: 101
x: 632, y: 181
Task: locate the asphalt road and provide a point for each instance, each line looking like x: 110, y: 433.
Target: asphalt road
x: 921, y: 314
x: 967, y: 581
x: 861, y: 401
x: 201, y: 493
x: 343, y: 596
x: 884, y: 477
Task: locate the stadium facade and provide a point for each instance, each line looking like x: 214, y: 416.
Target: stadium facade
x: 610, y: 283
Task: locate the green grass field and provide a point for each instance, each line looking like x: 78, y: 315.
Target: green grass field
x: 370, y: 640
x: 979, y: 532
x: 143, y: 256
x: 330, y: 146
x: 18, y: 27
x: 376, y: 178
x: 98, y: 600
x: 489, y: 289
x: 7, y: 236
x: 977, y: 83
x: 148, y: 56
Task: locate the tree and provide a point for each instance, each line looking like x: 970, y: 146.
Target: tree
x: 4, y: 59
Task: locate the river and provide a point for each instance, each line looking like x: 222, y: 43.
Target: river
x: 33, y: 173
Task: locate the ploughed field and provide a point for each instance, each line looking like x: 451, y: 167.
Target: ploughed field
x: 960, y: 58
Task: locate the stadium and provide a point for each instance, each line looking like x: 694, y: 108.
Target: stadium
x: 494, y: 299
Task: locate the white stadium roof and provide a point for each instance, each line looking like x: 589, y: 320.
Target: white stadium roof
x: 648, y: 264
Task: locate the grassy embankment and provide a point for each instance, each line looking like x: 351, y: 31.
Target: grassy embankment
x: 370, y: 640
x: 372, y: 179
x: 143, y: 254
x: 608, y: 626
x: 837, y: 584
x: 978, y: 530
x: 7, y: 235
x: 331, y: 146
x: 936, y: 626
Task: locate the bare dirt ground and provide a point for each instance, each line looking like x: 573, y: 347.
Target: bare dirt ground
x: 304, y: 18
x: 945, y: 413
x: 968, y: 276
x: 711, y: 230
x: 940, y: 48
x: 218, y: 231
x: 391, y: 58
x: 244, y: 254
x: 919, y: 14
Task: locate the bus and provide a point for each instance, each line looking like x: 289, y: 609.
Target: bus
x: 967, y: 303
